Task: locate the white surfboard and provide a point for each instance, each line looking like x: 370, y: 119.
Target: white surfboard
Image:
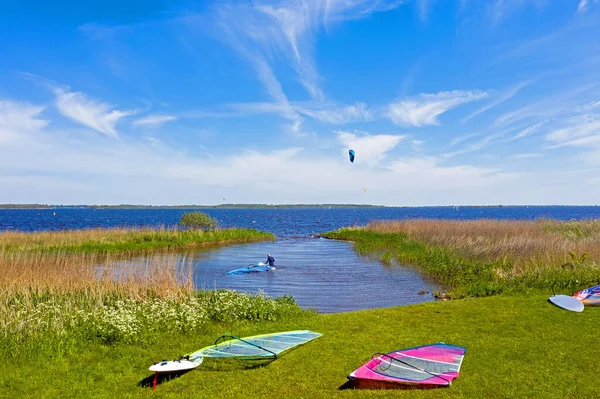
x: 567, y: 302
x: 170, y: 366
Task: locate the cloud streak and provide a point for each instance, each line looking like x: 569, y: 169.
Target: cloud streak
x: 508, y: 94
x: 154, y: 120
x: 424, y: 109
x: 101, y: 117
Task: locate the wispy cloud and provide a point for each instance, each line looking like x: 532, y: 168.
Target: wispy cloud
x: 154, y: 120
x: 464, y: 137
x: 564, y: 102
x: 343, y: 10
x: 506, y: 95
x: 99, y: 116
x: 16, y: 117
x: 502, y: 8
x: 577, y: 127
x: 261, y: 32
x: 527, y: 155
x: 331, y: 113
x: 370, y: 149
x: 322, y: 112
x: 425, y: 108
x: 584, y: 4
x: 284, y: 175
x: 424, y: 7
x: 528, y: 130
x: 476, y: 146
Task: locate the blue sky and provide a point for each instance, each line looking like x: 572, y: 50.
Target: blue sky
x: 177, y: 102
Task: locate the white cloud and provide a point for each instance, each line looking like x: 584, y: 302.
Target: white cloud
x: 17, y: 118
x: 323, y: 112
x: 464, y: 137
x: 506, y: 95
x: 424, y: 7
x: 91, y: 113
x: 478, y: 145
x: 577, y: 127
x: 63, y: 165
x: 358, y: 112
x: 262, y: 32
x: 429, y: 168
x: 527, y: 155
x: 370, y: 149
x: 154, y: 120
x: 584, y: 4
x: 342, y: 10
x: 425, y: 108
x: 528, y: 130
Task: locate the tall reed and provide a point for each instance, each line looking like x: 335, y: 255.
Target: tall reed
x: 526, y: 245
x: 487, y: 257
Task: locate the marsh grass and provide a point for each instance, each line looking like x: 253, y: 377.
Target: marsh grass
x: 61, y: 290
x: 124, y: 239
x: 485, y: 257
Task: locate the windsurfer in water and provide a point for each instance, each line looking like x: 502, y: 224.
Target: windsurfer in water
x: 270, y: 263
x: 270, y: 260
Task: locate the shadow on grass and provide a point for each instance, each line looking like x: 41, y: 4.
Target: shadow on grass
x: 363, y: 384
x: 222, y: 366
x: 148, y: 382
x: 234, y: 364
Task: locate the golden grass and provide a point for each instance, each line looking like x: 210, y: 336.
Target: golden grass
x: 527, y: 245
x: 95, y: 275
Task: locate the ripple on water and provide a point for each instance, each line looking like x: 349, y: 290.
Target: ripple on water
x: 323, y: 274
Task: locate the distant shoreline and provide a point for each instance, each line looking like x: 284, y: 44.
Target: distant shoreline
x: 262, y: 206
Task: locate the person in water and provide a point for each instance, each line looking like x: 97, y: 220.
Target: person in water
x: 270, y: 260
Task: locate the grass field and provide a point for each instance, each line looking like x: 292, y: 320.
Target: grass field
x: 517, y: 346
x: 69, y: 329
x: 488, y: 257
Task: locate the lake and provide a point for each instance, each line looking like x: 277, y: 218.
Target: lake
x: 326, y: 275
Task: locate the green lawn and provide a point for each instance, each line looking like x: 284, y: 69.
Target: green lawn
x: 517, y: 346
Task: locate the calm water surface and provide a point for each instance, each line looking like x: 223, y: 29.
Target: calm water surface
x: 290, y: 222
x: 322, y: 274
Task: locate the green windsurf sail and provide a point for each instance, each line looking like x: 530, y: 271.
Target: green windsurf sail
x: 256, y: 347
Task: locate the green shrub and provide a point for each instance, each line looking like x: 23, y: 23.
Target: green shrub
x: 198, y: 220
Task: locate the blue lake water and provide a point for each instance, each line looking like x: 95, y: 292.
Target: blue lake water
x: 290, y: 222
x: 323, y: 274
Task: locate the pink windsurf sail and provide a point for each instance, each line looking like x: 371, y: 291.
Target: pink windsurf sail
x: 422, y: 366
x: 589, y: 296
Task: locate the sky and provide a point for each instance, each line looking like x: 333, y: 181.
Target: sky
x: 445, y: 102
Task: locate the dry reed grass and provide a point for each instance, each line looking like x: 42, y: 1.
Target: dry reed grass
x: 526, y: 245
x: 94, y: 275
